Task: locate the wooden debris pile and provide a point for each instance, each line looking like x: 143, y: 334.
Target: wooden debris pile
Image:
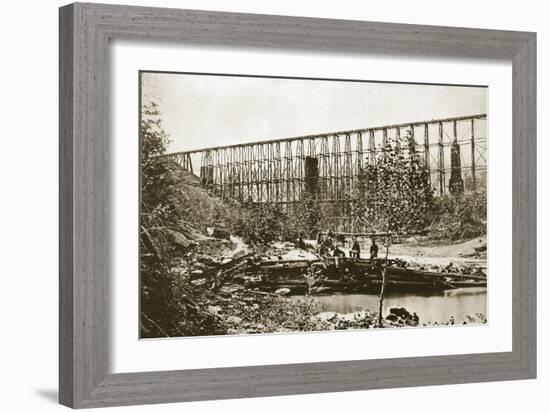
x: 329, y: 275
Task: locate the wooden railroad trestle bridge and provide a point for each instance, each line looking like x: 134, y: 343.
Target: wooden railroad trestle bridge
x: 281, y: 171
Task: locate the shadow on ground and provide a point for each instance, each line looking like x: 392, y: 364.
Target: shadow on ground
x: 51, y: 395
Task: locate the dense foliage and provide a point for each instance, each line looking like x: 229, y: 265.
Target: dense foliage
x: 305, y: 219
x: 167, y: 304
x: 459, y: 217
x: 394, y: 193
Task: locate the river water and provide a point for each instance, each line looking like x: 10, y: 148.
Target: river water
x: 435, y: 307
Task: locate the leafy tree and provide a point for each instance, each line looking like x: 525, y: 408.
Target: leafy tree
x: 157, y: 178
x: 394, y: 195
x: 168, y: 304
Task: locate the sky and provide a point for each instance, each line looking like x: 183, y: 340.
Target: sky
x: 200, y: 111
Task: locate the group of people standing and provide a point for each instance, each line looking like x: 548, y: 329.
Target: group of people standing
x: 327, y: 245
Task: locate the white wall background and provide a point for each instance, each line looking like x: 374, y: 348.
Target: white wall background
x: 28, y: 208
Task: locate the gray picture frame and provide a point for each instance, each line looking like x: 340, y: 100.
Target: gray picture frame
x: 85, y: 32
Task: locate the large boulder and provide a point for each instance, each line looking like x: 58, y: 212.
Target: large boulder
x: 401, y: 313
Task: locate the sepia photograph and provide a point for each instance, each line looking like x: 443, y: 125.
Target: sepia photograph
x: 284, y: 205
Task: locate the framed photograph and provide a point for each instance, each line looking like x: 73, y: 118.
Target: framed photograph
x: 258, y: 205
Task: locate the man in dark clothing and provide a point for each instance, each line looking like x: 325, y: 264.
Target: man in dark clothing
x: 337, y: 252
x: 327, y: 243
x: 300, y: 243
x: 320, y: 238
x: 338, y: 262
x: 355, y: 251
x: 373, y: 250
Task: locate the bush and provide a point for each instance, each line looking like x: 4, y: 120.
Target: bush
x: 305, y: 219
x: 260, y: 224
x: 459, y: 217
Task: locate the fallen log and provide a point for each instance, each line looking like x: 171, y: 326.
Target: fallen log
x: 437, y: 274
x: 285, y: 263
x: 237, y: 260
x: 150, y: 243
x: 220, y: 273
x: 377, y: 234
x: 280, y: 266
x: 415, y: 284
x: 259, y: 292
x: 469, y: 284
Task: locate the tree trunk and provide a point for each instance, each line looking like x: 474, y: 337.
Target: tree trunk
x: 384, y: 276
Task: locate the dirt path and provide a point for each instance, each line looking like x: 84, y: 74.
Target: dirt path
x: 461, y: 253
x: 456, y: 250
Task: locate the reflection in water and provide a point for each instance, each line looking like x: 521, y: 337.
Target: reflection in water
x: 438, y: 307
